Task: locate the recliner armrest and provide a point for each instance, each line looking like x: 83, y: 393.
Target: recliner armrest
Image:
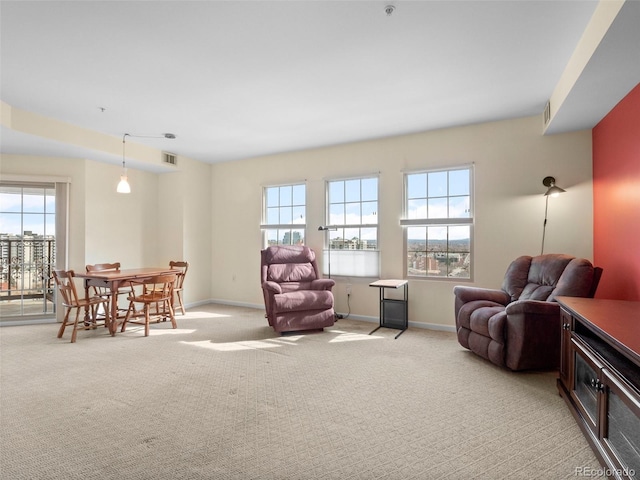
x: 532, y: 335
x: 536, y: 307
x: 469, y: 294
x: 322, y: 284
x: 272, y: 286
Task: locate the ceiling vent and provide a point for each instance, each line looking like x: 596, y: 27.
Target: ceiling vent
x: 547, y: 113
x: 170, y: 158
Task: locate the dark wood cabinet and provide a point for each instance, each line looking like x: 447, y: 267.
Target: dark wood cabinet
x: 599, y: 378
x: 565, y: 347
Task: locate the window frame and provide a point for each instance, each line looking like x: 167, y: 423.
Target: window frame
x: 62, y: 218
x: 265, y: 227
x: 356, y: 253
x: 407, y: 223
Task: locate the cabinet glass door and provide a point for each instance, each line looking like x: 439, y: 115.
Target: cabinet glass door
x: 622, y: 435
x: 585, y: 384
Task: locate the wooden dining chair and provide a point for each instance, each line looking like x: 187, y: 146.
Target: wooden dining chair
x: 104, y: 291
x: 181, y: 271
x: 70, y: 300
x: 181, y: 268
x: 155, y: 291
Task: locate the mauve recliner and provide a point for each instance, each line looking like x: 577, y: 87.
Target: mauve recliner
x: 295, y: 298
x: 518, y: 327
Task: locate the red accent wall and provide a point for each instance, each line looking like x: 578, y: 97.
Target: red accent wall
x: 616, y: 199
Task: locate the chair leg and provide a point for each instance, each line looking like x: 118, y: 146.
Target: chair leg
x: 94, y: 317
x: 164, y: 311
x: 158, y: 313
x: 171, y: 314
x: 64, y: 323
x: 107, y: 317
x: 179, y: 295
x: 126, y: 318
x: 75, y: 326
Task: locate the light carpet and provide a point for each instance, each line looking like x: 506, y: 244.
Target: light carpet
x: 225, y: 397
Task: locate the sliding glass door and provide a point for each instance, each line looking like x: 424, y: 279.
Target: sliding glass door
x: 27, y: 250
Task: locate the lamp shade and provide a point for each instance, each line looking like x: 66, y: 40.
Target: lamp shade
x: 123, y: 185
x: 552, y: 190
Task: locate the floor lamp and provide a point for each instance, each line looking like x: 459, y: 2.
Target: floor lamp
x: 552, y: 191
x: 326, y: 229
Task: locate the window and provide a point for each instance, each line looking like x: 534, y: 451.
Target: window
x: 284, y: 215
x: 438, y: 223
x: 352, y: 217
x: 27, y: 248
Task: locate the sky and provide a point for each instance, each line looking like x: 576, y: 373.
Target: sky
x: 430, y: 195
x: 28, y: 209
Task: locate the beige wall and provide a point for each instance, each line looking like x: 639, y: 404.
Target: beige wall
x: 58, y: 167
x: 120, y: 228
x: 185, y: 227
x: 210, y: 215
x: 511, y: 158
x: 165, y: 217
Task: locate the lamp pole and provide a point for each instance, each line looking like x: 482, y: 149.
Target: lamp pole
x: 552, y: 191
x: 324, y: 228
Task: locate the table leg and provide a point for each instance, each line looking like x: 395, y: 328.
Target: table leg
x: 375, y: 330
x: 113, y: 323
x: 87, y: 317
x: 381, y: 293
x: 403, y: 330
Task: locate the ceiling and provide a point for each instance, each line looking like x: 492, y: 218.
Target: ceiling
x: 238, y: 79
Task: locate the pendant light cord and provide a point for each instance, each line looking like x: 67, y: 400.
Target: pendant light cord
x: 123, y: 139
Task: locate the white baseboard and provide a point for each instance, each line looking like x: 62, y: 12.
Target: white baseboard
x: 363, y: 318
x: 234, y: 303
x: 428, y: 326
x: 434, y: 326
x: 27, y: 321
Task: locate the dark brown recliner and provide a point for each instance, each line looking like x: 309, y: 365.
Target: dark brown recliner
x: 295, y: 297
x: 518, y: 327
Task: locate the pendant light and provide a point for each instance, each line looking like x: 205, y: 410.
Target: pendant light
x: 123, y: 185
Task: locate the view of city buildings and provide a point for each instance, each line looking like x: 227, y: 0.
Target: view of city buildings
x: 296, y: 237
x: 440, y: 258
x: 26, y: 265
x: 352, y: 244
x: 27, y: 248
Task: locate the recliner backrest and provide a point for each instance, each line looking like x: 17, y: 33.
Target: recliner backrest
x: 290, y: 272
x: 289, y: 264
x: 577, y: 280
x: 289, y: 254
x: 545, y: 277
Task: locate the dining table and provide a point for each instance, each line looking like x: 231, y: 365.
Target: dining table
x: 113, y: 280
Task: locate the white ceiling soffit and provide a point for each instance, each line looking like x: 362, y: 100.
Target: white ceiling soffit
x: 20, y: 143
x: 241, y: 79
x: 612, y: 71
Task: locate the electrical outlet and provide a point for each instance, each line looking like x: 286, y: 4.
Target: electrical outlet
x: 348, y: 289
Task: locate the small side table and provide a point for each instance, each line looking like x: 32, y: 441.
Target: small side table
x: 394, y: 313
